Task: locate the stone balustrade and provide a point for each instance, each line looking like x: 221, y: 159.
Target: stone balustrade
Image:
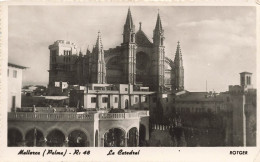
x: 73, y: 116
x: 50, y: 116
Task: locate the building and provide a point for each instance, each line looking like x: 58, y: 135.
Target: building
x: 118, y: 97
x: 137, y: 61
x: 242, y: 101
x: 106, y: 96
x: 14, y: 75
x: 208, y: 118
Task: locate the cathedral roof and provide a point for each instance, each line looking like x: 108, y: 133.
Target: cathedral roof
x: 142, y: 40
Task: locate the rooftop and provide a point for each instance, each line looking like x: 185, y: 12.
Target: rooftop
x: 16, y: 66
x: 199, y: 96
x: 245, y: 72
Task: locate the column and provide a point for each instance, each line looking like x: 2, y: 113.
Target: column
x: 102, y: 142
x: 126, y: 140
x: 23, y: 142
x: 111, y: 102
x: 99, y: 100
x: 119, y: 101
x: 140, y: 102
x: 44, y: 142
x: 137, y: 140
x: 130, y: 101
x: 244, y: 121
x: 137, y: 137
x: 66, y: 142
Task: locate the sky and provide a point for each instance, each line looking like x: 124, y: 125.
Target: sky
x: 217, y: 43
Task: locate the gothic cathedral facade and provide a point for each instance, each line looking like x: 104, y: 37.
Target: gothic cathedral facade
x: 137, y: 61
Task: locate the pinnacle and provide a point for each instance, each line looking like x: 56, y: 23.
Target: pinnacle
x: 99, y: 41
x: 158, y: 23
x: 178, y: 54
x: 140, y: 25
x: 129, y: 21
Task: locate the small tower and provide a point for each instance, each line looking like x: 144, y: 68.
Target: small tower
x: 129, y: 51
x: 98, y: 66
x: 178, y: 70
x: 245, y: 79
x: 158, y: 57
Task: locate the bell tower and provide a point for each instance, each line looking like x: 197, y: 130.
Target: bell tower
x: 158, y: 58
x: 129, y: 51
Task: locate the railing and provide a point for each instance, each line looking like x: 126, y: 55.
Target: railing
x: 50, y: 116
x: 112, y: 116
x: 70, y: 116
x: 143, y: 113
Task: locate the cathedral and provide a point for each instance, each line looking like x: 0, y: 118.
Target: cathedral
x: 137, y: 61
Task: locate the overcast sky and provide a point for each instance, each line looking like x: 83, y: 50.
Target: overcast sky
x: 217, y: 42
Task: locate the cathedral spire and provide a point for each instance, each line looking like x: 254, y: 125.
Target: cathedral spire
x: 129, y: 29
x: 129, y: 21
x: 178, y: 70
x: 98, y: 69
x: 99, y: 41
x: 158, y: 33
x: 178, y: 56
x: 158, y: 26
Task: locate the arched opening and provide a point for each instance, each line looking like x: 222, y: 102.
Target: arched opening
x: 126, y: 104
x: 115, y: 137
x: 55, y: 138
x: 96, y: 139
x: 142, y: 134
x: 132, y: 137
x: 15, y: 137
x: 34, y: 137
x: 77, y: 138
